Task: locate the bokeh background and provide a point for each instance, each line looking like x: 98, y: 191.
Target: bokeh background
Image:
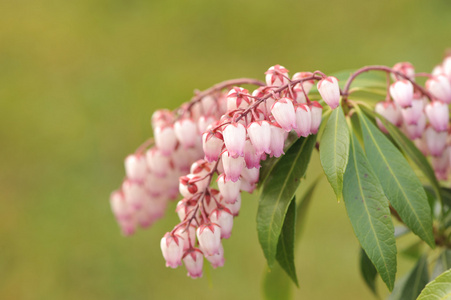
x: 79, y: 81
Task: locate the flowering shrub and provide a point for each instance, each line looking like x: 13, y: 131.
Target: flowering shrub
x: 227, y: 140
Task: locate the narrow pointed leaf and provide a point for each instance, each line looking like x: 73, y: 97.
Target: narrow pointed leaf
x: 302, y: 206
x: 368, y: 271
x: 369, y: 213
x: 443, y: 263
x: 399, y: 182
x: 277, y: 192
x: 415, y: 281
x: 276, y: 284
x: 285, y: 246
x: 410, y: 150
x: 438, y: 289
x: 334, y: 150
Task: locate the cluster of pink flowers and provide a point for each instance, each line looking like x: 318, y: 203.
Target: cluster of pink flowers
x: 210, y: 151
x: 422, y: 113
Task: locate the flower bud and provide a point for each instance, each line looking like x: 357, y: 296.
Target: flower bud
x: 402, y: 92
x: 390, y: 111
x: 329, y: 91
x: 438, y: 115
x: 416, y: 130
x: 283, y: 112
x: 209, y: 237
x: 134, y: 193
x: 234, y: 207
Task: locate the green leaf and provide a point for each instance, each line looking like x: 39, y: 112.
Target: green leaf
x: 368, y: 271
x: 277, y: 192
x: 443, y: 263
x: 285, y: 246
x: 276, y: 284
x: 399, y: 182
x: 334, y: 150
x: 411, y: 287
x: 410, y: 150
x: 368, y: 211
x: 438, y: 289
x: 302, y: 207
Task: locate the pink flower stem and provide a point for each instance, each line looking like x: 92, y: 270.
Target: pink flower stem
x: 345, y: 92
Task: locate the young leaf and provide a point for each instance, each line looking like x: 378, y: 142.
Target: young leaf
x: 409, y: 149
x: 415, y: 281
x: 399, y: 182
x: 334, y: 150
x: 285, y: 246
x: 368, y: 211
x: 438, y: 289
x: 368, y: 271
x: 443, y: 263
x: 277, y: 192
x: 276, y: 284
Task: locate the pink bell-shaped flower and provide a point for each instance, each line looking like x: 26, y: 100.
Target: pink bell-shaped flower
x: 251, y: 157
x: 260, y: 135
x: 276, y: 76
x: 402, y: 92
x: 316, y: 115
x: 134, y: 193
x: 303, y: 120
x: 283, y: 112
x: 188, y: 234
x: 436, y: 141
x: 277, y: 141
x: 165, y: 139
x: 157, y: 162
x: 209, y: 237
x: 136, y: 167
x: 232, y: 166
x: 404, y: 68
x: 438, y: 115
x: 329, y: 91
x: 212, y: 145
x: 237, y: 98
x: 411, y: 114
x: 416, y: 130
x: 229, y: 190
x: 390, y: 111
x: 440, y: 88
x: 172, y: 249
x: 224, y: 218
x: 234, y: 207
x: 234, y: 138
x: 186, y: 132
x: 194, y: 262
x: 216, y: 260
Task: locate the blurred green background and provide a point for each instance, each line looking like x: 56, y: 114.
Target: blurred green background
x: 79, y: 81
